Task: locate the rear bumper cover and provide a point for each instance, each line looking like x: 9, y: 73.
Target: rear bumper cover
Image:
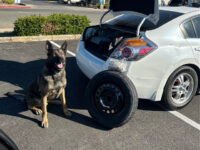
x: 147, y: 87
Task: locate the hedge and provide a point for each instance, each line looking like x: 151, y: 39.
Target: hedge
x: 105, y: 6
x: 54, y: 24
x: 8, y: 1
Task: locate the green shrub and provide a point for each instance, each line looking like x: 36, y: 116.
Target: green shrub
x: 30, y: 25
x: 105, y: 6
x: 54, y: 24
x: 98, y: 5
x: 8, y: 1
x: 90, y: 5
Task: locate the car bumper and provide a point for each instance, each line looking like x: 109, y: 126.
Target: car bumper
x: 147, y: 87
x: 89, y: 64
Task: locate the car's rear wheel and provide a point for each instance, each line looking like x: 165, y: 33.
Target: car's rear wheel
x: 111, y: 99
x: 180, y: 88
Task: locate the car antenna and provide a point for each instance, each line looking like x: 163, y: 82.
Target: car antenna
x: 103, y: 16
x: 141, y: 23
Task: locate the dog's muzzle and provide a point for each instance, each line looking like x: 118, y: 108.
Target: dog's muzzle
x: 60, y: 65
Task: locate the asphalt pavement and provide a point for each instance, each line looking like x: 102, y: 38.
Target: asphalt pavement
x: 152, y: 128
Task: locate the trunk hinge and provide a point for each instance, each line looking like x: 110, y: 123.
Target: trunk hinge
x: 141, y: 23
x: 104, y: 16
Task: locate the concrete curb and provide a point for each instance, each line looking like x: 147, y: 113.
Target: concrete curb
x: 21, y: 5
x: 39, y: 38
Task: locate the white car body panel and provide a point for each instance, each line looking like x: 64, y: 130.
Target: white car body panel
x: 89, y: 64
x: 195, y: 45
x: 74, y: 1
x: 151, y: 73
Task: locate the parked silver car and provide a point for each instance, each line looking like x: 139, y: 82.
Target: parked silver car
x: 142, y: 52
x: 69, y: 2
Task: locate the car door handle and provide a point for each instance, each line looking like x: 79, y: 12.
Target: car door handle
x: 197, y: 49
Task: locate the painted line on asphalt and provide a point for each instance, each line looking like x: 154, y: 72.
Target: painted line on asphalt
x: 183, y: 118
x: 3, y: 84
x: 68, y: 51
x: 175, y: 113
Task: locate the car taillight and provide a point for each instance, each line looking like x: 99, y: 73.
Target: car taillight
x: 133, y: 49
x: 126, y: 52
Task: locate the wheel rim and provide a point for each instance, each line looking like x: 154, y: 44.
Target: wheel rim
x: 182, y: 88
x: 109, y: 99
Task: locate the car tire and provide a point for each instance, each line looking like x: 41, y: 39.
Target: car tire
x: 111, y: 99
x: 180, y: 88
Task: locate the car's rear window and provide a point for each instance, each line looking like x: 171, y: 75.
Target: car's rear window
x: 189, y: 29
x: 197, y: 25
x: 130, y: 20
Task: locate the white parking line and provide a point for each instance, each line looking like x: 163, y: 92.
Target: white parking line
x: 183, y: 118
x: 68, y: 51
x: 175, y: 113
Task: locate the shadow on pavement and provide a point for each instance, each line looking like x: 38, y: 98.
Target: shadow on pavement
x: 12, y: 107
x: 22, y: 74
x: 149, y: 105
x: 7, y: 34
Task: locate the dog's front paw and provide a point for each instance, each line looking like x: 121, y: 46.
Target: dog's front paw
x: 38, y: 111
x: 67, y: 112
x: 45, y: 123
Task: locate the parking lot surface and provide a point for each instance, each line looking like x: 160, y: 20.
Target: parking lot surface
x: 152, y: 127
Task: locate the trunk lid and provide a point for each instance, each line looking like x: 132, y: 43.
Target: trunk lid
x: 142, y: 8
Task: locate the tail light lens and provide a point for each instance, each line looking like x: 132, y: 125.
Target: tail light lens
x: 133, y: 49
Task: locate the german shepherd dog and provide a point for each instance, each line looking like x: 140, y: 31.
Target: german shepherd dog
x: 50, y: 84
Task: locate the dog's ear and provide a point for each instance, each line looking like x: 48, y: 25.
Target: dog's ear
x: 49, y: 46
x: 64, y: 47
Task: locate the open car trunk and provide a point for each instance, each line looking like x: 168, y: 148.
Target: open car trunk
x: 101, y: 41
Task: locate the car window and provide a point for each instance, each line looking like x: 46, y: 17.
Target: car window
x: 189, y: 29
x: 197, y: 25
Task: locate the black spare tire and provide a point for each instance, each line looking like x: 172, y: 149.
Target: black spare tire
x: 111, y: 99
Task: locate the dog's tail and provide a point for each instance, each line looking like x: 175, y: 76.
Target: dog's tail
x: 17, y: 96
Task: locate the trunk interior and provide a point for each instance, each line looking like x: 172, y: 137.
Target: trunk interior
x: 101, y: 41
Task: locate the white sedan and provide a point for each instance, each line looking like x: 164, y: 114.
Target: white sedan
x: 161, y: 62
